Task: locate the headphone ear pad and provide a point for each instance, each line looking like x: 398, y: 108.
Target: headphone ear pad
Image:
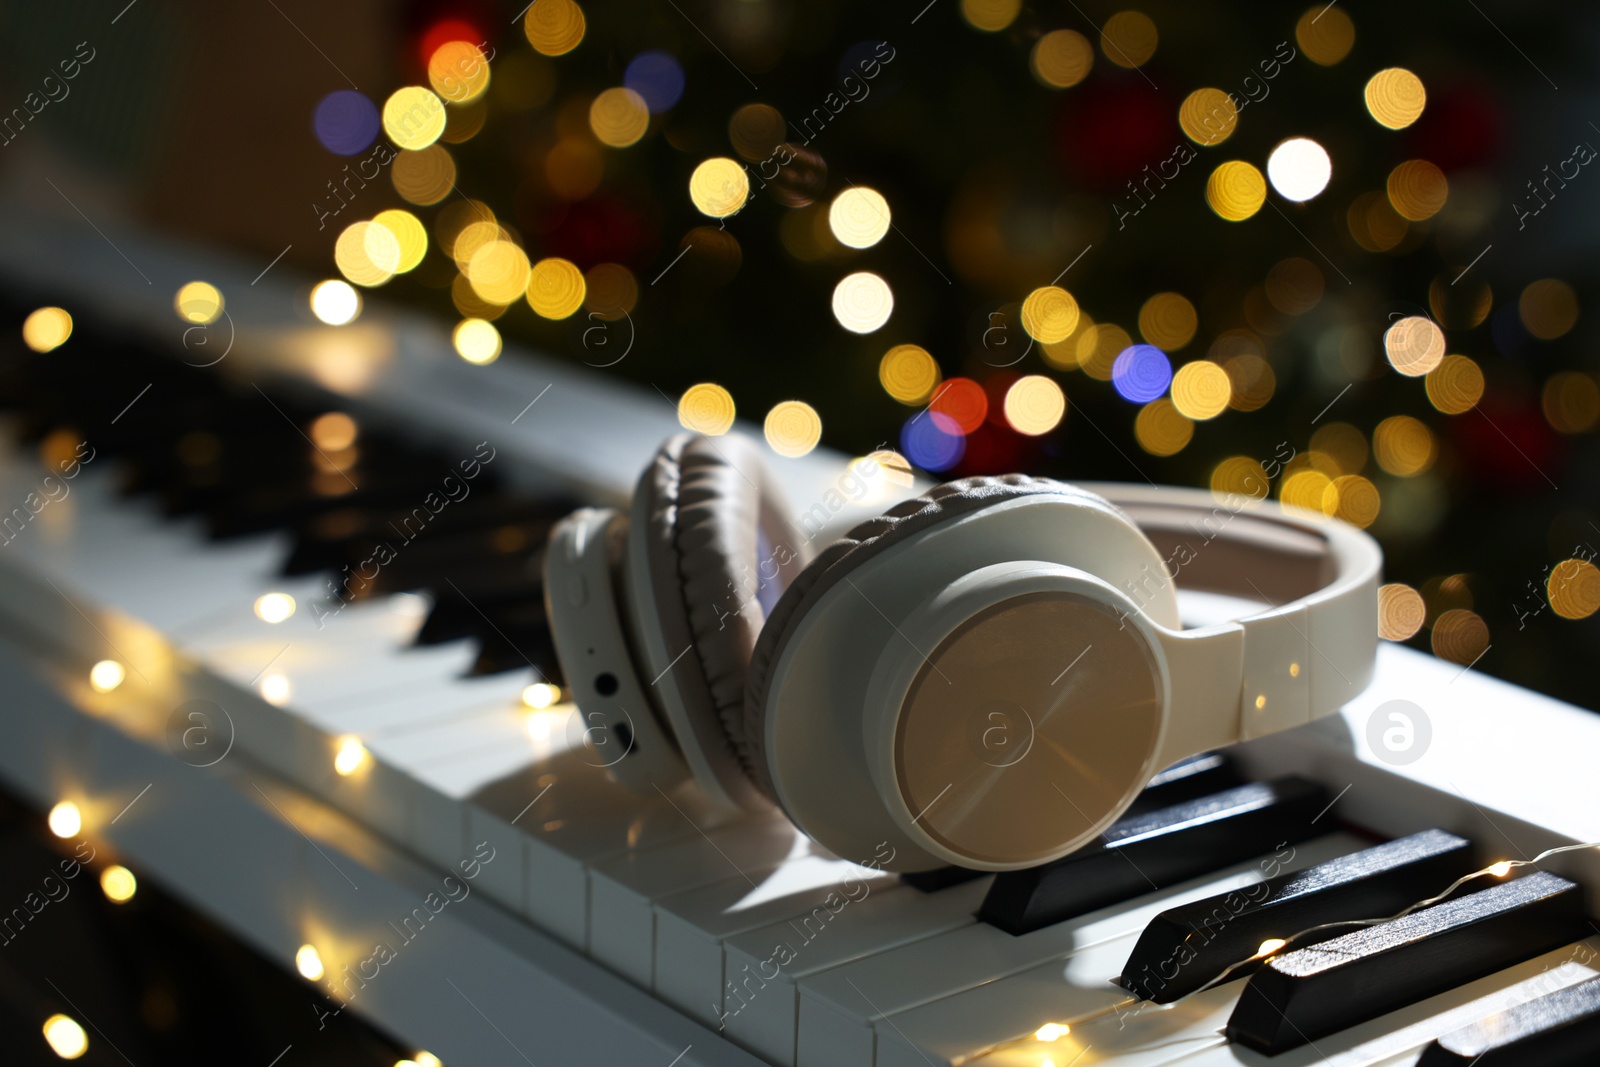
x: 899, y: 524
x: 710, y: 541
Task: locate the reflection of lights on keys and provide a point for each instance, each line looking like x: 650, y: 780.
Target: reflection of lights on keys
x: 275, y: 689
x: 308, y: 961
x: 65, y: 1037
x: 1052, y: 1031
x: 65, y: 820
x: 1269, y: 946
x: 408, y: 605
x: 118, y: 883
x: 106, y: 675
x: 274, y: 607
x: 541, y: 695
x: 352, y: 754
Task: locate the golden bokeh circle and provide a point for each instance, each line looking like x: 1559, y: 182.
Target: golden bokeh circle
x: 470, y: 304
x: 1548, y: 308
x: 990, y: 15
x: 1201, y: 390
x: 1375, y: 224
x: 555, y: 288
x: 476, y: 341
x: 1571, y: 402
x: 1401, y: 612
x: 413, y: 117
x: 1325, y: 34
x: 1353, y: 499
x: 756, y: 131
x: 1239, y: 476
x: 1305, y: 489
x: 1062, y: 58
x: 1129, y: 39
x: 409, y: 234
x: 862, y: 302
x: 424, y: 177
x: 366, y: 253
x: 1455, y: 385
x: 1574, y: 588
x: 1343, y: 445
x: 46, y: 328
x: 1395, y: 97
x: 908, y: 373
x: 610, y: 290
x: 792, y: 428
x: 1168, y: 321
x: 1236, y: 190
x: 706, y: 408
x: 1294, y: 286
x: 1403, y: 446
x: 1208, y: 116
x: 1034, y: 405
x: 719, y: 187
x: 499, y: 272
x: 859, y: 217
x: 554, y: 27
x: 475, y: 235
x: 1252, y: 379
x: 1161, y: 429
x: 458, y: 71
x: 1414, y: 345
x: 1050, y: 314
x: 1460, y: 636
x: 1098, y: 348
x: 619, y: 117
x: 1418, y: 189
x: 198, y: 302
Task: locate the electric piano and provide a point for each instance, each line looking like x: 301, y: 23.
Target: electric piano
x: 278, y: 638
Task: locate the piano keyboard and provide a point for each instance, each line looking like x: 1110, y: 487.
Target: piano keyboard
x: 390, y: 735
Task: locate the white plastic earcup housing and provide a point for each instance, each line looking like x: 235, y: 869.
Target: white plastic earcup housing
x: 616, y: 723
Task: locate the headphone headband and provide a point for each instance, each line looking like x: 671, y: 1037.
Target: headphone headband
x: 1313, y: 648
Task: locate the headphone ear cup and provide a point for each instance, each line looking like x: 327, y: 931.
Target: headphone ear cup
x: 1148, y: 586
x: 711, y: 543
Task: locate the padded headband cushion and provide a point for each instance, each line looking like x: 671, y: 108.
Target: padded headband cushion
x: 707, y: 503
x: 834, y: 563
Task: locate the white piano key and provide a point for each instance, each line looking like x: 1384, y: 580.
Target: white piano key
x: 839, y: 1008
x: 578, y: 817
x: 1189, y: 1032
x: 763, y: 1018
x: 623, y: 889
x: 692, y: 926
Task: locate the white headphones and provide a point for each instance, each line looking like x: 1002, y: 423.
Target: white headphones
x: 984, y: 676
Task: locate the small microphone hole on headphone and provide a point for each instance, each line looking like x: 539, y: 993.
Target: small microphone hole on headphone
x: 624, y: 737
x: 605, y: 684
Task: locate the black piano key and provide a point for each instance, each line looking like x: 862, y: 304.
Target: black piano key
x: 1151, y: 850
x: 1308, y: 993
x: 940, y: 878
x: 1560, y: 1029
x: 1197, y: 776
x: 1185, y: 947
x: 518, y: 649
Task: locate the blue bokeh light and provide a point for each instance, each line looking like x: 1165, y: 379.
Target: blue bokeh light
x: 346, y: 122
x: 932, y: 441
x: 657, y: 77
x: 1141, y: 373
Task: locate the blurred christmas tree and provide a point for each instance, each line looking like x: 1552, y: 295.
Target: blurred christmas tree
x: 1283, y: 252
